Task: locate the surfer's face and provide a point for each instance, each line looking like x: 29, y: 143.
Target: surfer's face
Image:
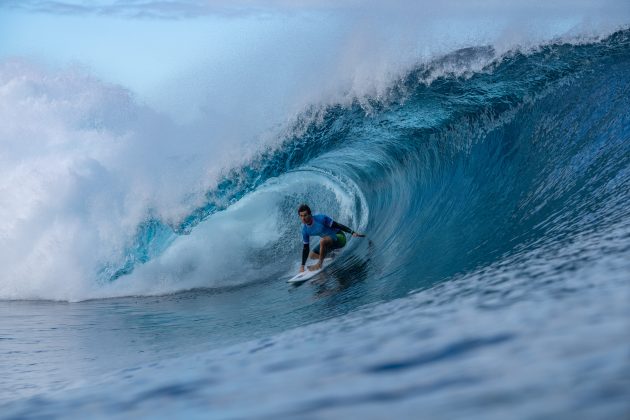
x: 306, y: 217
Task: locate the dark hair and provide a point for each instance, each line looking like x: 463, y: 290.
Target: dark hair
x: 304, y: 207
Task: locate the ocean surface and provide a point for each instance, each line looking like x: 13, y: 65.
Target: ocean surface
x: 494, y: 281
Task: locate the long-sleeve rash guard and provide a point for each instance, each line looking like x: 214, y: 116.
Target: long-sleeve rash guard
x: 321, y: 225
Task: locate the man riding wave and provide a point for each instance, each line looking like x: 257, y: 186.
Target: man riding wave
x: 330, y: 233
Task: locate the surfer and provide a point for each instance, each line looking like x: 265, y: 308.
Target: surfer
x: 330, y: 233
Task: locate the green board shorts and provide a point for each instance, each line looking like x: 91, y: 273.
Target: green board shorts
x: 339, y: 242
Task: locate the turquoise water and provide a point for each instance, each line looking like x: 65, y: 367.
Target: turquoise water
x: 493, y: 283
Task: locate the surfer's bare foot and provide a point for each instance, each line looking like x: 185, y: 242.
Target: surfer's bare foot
x: 315, y: 267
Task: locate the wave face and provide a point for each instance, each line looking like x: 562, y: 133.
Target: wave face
x: 461, y: 163
x: 456, y: 167
x: 452, y: 172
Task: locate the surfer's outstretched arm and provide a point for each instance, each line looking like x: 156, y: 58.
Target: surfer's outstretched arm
x: 346, y: 229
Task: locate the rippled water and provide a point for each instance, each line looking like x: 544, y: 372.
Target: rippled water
x: 520, y: 337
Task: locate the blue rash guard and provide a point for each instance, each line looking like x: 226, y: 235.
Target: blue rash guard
x: 321, y: 226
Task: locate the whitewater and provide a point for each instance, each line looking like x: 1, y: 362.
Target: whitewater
x: 143, y: 267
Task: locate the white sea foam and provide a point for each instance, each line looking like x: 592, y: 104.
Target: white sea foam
x: 81, y: 165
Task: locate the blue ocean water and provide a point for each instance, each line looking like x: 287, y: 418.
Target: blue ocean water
x: 494, y: 281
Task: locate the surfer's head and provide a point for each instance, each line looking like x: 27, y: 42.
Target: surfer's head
x: 305, y: 214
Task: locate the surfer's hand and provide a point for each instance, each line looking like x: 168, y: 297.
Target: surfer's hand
x: 315, y: 267
x: 301, y: 269
x: 358, y: 235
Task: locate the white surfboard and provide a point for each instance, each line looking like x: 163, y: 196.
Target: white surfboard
x: 303, y: 276
x: 308, y: 274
